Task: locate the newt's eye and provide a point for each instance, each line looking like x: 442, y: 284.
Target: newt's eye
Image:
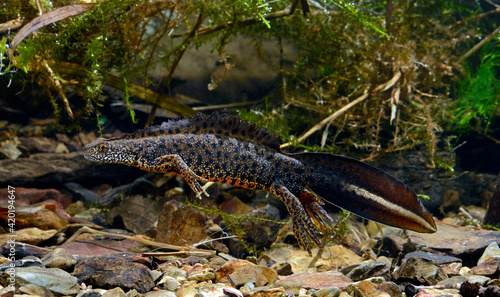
x: 103, y: 147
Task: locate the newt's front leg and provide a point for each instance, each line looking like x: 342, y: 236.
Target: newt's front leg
x: 302, y: 224
x: 175, y: 164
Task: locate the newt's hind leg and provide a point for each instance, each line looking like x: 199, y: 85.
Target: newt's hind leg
x: 175, y: 164
x: 312, y: 204
x: 302, y: 224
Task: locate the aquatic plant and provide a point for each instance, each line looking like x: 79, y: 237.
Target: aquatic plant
x: 479, y: 93
x: 373, y: 76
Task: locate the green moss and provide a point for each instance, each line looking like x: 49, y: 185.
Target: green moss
x: 274, y: 121
x: 233, y: 222
x: 340, y: 230
x: 341, y: 49
x: 479, y: 92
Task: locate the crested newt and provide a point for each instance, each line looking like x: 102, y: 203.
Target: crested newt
x: 226, y: 149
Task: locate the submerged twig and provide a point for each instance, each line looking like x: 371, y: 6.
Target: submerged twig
x: 140, y: 240
x: 49, y: 18
x: 59, y: 89
x: 242, y: 23
x: 227, y: 106
x: 11, y: 25
x: 333, y: 116
x: 480, y: 44
x: 388, y: 16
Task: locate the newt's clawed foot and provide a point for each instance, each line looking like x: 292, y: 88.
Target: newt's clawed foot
x: 312, y: 205
x: 195, y: 185
x: 303, y: 228
x: 318, y: 215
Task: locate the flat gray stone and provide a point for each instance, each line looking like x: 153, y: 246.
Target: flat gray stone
x: 482, y: 280
x: 54, y: 279
x: 436, y: 258
x: 368, y: 269
x: 465, y: 243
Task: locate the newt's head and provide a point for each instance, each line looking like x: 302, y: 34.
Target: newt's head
x: 119, y: 151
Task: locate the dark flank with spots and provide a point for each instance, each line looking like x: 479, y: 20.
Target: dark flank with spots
x: 227, y: 149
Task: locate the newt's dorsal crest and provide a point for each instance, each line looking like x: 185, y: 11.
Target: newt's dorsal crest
x: 214, y: 124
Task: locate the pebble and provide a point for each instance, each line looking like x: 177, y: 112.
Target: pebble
x: 488, y: 267
x: 468, y: 289
x: 61, y: 149
x: 116, y: 292
x: 30, y: 236
x: 419, y: 271
x: 169, y: 283
x: 30, y: 261
x: 88, y: 293
x: 161, y: 293
x: 22, y: 250
x: 115, y: 270
x: 29, y: 196
x: 282, y: 268
x: 331, y: 258
x: 40, y: 217
x: 138, y: 213
x: 452, y: 269
x: 367, y: 269
x: 463, y: 278
x: 156, y: 275
x: 54, y: 279
x: 491, y: 251
x: 202, y: 277
x: 9, y: 150
x: 243, y: 271
x: 59, y: 258
x: 328, y: 292
x: 175, y: 272
x: 75, y: 208
x: 438, y: 293
x: 462, y: 243
x: 212, y: 290
x: 314, y: 280
x: 492, y: 291
x: 176, y: 218
x: 232, y: 292
x: 32, y: 289
x: 436, y: 258
x: 267, y: 292
x: 187, y: 291
x: 366, y: 288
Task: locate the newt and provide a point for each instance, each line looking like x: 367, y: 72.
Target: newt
x: 226, y: 149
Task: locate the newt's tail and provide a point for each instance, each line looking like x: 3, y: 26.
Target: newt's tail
x: 366, y: 191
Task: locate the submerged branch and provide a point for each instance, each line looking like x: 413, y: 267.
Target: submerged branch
x: 242, y: 23
x: 380, y: 88
x: 49, y: 18
x: 480, y: 44
x: 11, y: 25
x: 59, y: 89
x: 250, y: 21
x: 333, y: 116
x: 151, y: 96
x: 142, y: 240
